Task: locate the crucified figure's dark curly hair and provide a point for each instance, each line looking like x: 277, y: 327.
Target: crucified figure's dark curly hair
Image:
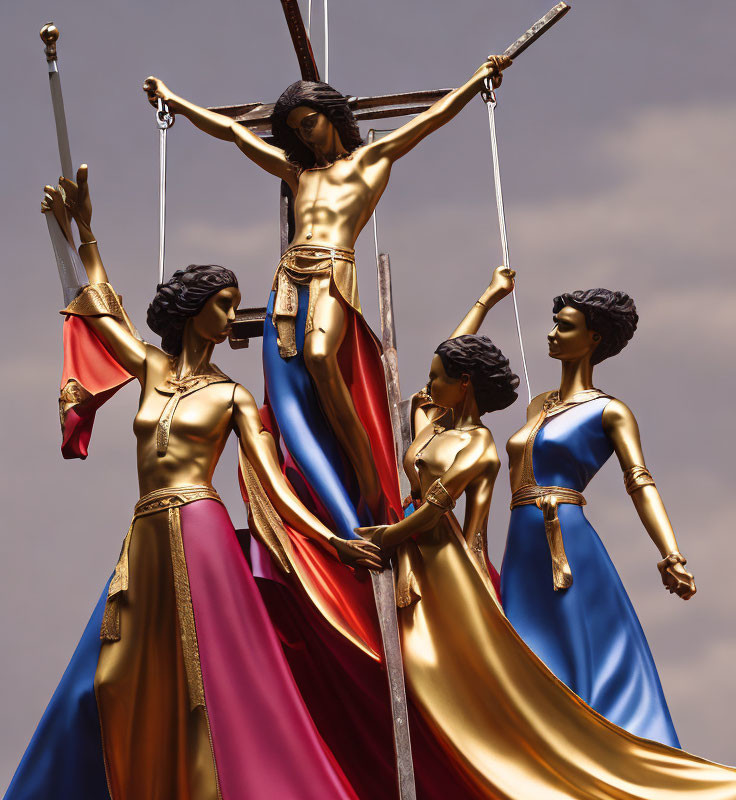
x: 182, y: 297
x: 612, y: 315
x: 494, y: 384
x: 323, y: 98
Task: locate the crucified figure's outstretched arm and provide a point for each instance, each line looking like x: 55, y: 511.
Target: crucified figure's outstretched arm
x: 272, y: 159
x: 399, y: 142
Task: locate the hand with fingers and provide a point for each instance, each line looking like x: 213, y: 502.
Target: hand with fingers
x: 53, y: 203
x: 676, y: 579
x: 156, y: 89
x: 492, y: 68
x: 77, y: 199
x: 358, y: 553
x: 502, y: 281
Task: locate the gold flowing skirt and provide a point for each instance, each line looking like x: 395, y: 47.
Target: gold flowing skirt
x: 513, y: 730
x: 148, y: 678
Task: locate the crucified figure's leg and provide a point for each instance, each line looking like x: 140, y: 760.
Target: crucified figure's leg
x: 321, y: 346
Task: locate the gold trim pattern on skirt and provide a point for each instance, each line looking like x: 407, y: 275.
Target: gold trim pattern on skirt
x: 170, y: 500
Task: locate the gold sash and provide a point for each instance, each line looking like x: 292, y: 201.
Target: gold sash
x: 547, y: 498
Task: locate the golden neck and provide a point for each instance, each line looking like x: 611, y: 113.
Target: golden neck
x: 577, y: 376
x: 195, y: 355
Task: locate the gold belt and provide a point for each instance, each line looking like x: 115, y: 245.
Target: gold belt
x: 288, y: 276
x: 547, y: 498
x: 169, y: 500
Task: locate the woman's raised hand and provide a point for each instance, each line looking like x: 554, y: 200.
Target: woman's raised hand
x: 76, y: 198
x: 53, y: 203
x: 502, y: 282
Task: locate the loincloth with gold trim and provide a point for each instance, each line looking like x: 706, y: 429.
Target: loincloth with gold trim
x: 310, y: 265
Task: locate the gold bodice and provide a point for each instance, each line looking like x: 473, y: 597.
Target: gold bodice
x: 431, y: 454
x: 197, y: 432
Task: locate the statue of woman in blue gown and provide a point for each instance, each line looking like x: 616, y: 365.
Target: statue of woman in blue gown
x: 559, y: 588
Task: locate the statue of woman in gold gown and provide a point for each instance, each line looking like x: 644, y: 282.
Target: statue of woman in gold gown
x: 179, y: 687
x: 512, y: 729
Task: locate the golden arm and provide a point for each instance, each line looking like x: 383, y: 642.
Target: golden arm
x: 621, y: 427
x: 260, y: 450
x: 502, y: 284
x: 129, y: 351
x: 403, y: 139
x: 272, y: 159
x: 473, y: 460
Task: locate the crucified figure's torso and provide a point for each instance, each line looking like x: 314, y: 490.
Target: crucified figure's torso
x: 333, y: 200
x: 333, y: 204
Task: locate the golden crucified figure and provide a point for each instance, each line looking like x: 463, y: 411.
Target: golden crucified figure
x: 336, y: 181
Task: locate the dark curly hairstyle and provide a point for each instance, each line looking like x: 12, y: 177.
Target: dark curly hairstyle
x: 182, y: 297
x: 323, y: 98
x: 610, y: 314
x: 493, y: 381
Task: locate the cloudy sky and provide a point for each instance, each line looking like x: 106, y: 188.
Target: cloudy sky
x: 616, y: 133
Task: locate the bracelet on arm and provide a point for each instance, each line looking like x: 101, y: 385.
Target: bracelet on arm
x: 482, y: 304
x: 636, y: 477
x: 439, y: 496
x: 670, y: 561
x: 92, y: 241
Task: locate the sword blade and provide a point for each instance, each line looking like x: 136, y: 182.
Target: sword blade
x: 385, y: 597
x: 553, y: 16
x: 71, y: 269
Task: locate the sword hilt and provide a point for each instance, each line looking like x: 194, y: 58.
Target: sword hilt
x: 50, y: 36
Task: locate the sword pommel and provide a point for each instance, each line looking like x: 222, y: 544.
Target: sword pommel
x: 50, y: 36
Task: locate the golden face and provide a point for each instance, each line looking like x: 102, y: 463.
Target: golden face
x: 312, y: 127
x: 445, y: 391
x: 213, y: 322
x: 570, y: 339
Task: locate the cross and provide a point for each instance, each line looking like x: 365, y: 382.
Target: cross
x: 249, y: 323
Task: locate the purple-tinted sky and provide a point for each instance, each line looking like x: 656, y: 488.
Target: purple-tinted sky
x: 616, y: 133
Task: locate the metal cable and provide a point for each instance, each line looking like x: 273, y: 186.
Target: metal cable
x: 327, y: 43
x: 490, y: 99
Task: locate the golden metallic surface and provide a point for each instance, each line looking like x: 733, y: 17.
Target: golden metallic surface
x: 142, y: 686
x: 185, y: 612
x: 72, y: 394
x: 439, y: 496
x: 511, y: 727
x: 267, y: 525
x: 332, y: 204
x: 96, y: 299
x: 637, y: 476
x: 572, y: 343
x: 316, y: 267
x: 547, y: 498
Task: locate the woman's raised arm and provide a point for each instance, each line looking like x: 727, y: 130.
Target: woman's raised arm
x: 97, y: 302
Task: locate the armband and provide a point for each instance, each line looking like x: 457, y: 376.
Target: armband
x: 439, y: 496
x: 96, y: 300
x: 636, y: 477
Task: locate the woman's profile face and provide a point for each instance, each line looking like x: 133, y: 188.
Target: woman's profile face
x: 445, y: 391
x: 570, y: 339
x: 213, y: 322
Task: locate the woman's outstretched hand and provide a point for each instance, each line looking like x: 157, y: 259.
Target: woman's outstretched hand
x: 358, y: 553
x: 676, y: 579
